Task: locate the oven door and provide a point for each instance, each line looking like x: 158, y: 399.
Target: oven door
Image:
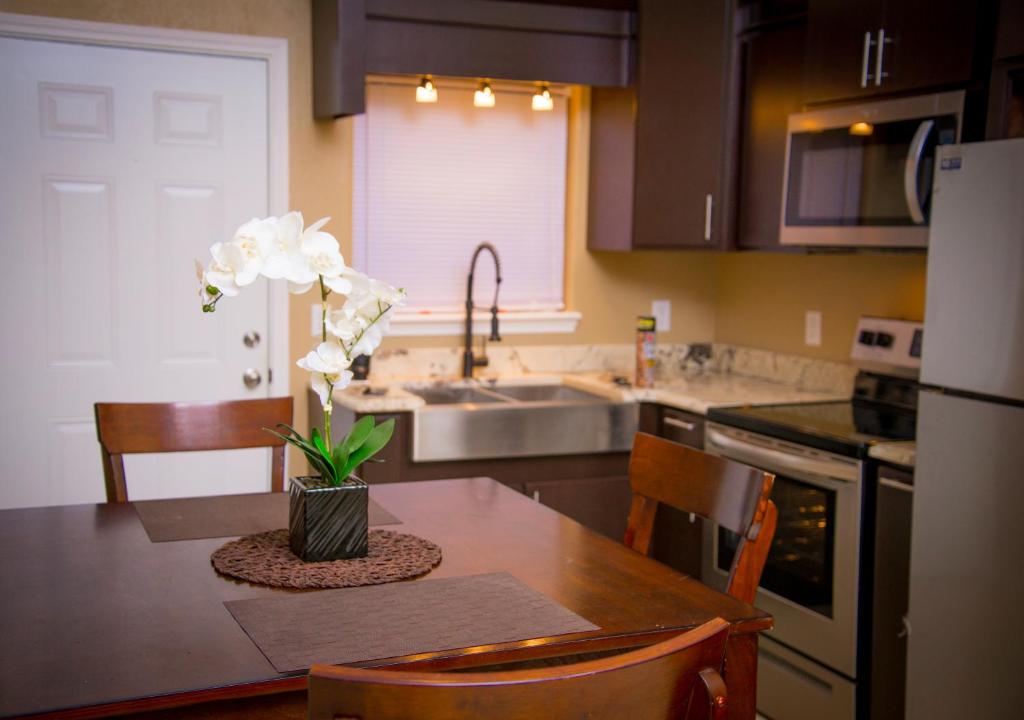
x: 809, y: 583
x: 862, y: 175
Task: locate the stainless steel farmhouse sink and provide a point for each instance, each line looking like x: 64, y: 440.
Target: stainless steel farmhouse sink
x: 463, y: 422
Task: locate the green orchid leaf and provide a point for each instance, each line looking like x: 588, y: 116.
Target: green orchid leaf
x: 318, y: 442
x: 358, y: 434
x: 340, y: 458
x: 375, y: 441
x: 313, y: 454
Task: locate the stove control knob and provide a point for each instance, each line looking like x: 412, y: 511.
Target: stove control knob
x: 884, y: 340
x: 866, y: 337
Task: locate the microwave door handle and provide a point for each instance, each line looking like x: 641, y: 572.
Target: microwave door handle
x: 913, y: 168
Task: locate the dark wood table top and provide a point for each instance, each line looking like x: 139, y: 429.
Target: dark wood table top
x: 92, y: 613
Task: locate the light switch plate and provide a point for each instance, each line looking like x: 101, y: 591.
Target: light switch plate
x: 812, y: 328
x: 662, y: 312
x: 316, y: 320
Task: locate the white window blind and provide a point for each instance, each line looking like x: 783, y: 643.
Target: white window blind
x: 432, y: 181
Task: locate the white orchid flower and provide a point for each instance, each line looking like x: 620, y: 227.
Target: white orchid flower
x: 369, y: 341
x: 222, y: 273
x: 249, y: 248
x: 285, y: 258
x: 329, y: 365
x: 342, y: 324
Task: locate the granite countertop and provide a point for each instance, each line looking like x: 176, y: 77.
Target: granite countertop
x: 700, y: 393
x: 695, y: 394
x: 902, y: 452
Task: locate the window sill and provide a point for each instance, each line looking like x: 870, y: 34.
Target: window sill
x: 510, y: 323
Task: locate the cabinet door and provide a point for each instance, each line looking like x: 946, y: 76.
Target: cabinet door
x: 680, y: 94
x: 834, y: 62
x: 678, y: 535
x: 928, y: 43
x: 772, y: 61
x: 682, y: 427
x: 601, y: 504
x: 891, y: 600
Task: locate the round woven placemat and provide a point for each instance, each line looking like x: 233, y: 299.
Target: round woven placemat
x: 266, y: 559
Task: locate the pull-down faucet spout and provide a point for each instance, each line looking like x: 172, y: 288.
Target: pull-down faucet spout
x: 468, y: 361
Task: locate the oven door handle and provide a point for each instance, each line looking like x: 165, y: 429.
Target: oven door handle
x: 912, y: 170
x: 771, y: 459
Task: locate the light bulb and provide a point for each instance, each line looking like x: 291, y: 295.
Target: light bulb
x: 427, y: 91
x: 484, y: 96
x: 542, y: 99
x: 862, y: 128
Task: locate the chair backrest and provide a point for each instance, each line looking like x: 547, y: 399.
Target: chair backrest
x: 678, y: 678
x: 125, y: 428
x: 733, y: 495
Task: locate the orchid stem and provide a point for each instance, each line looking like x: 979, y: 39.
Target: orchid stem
x: 329, y: 405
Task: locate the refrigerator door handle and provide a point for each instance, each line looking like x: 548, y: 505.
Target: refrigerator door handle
x: 913, y: 168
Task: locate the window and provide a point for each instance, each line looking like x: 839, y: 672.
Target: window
x: 432, y: 181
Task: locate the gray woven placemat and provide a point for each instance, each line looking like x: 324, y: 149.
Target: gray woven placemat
x: 266, y: 559
x: 370, y: 623
x: 225, y: 516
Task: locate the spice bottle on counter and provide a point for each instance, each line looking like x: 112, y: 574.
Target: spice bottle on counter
x: 645, y: 344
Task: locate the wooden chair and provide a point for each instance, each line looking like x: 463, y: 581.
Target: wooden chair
x: 678, y: 678
x: 173, y: 427
x: 730, y: 493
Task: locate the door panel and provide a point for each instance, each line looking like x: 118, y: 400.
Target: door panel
x: 117, y: 168
x: 834, y: 60
x: 965, y: 558
x: 932, y: 43
x: 680, y: 77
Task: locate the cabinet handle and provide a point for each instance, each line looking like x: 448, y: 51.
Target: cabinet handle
x: 865, y: 61
x: 708, y: 202
x: 880, y: 57
x: 681, y: 424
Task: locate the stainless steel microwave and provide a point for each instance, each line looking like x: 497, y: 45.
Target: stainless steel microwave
x: 861, y: 175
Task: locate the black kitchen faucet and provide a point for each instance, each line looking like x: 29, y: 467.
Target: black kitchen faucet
x: 468, y: 361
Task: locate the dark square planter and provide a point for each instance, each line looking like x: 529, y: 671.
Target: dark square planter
x: 327, y: 522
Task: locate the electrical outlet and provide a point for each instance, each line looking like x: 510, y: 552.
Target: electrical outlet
x: 812, y: 328
x: 662, y: 312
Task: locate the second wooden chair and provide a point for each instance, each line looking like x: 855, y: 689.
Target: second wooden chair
x: 733, y: 495
x: 174, y: 427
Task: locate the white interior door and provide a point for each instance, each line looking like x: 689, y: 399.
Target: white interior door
x: 118, y: 167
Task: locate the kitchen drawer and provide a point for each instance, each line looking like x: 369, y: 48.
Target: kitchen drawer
x: 682, y: 427
x: 678, y: 535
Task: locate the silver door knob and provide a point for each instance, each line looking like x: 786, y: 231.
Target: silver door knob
x: 251, y: 339
x: 251, y: 377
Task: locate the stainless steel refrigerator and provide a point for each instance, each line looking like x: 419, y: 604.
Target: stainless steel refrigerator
x: 966, y: 619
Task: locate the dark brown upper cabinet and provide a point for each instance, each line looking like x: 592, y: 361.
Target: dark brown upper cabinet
x: 1006, y: 88
x: 588, y: 42
x: 656, y: 156
x: 771, y: 60
x: 874, y: 47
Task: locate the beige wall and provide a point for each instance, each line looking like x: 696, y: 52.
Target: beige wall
x: 761, y: 298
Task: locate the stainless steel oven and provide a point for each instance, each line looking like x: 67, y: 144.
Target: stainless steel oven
x: 861, y: 175
x: 810, y: 580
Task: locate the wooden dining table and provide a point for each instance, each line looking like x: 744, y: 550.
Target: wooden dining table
x: 97, y: 620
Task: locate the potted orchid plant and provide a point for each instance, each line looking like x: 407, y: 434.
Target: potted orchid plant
x: 327, y: 517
